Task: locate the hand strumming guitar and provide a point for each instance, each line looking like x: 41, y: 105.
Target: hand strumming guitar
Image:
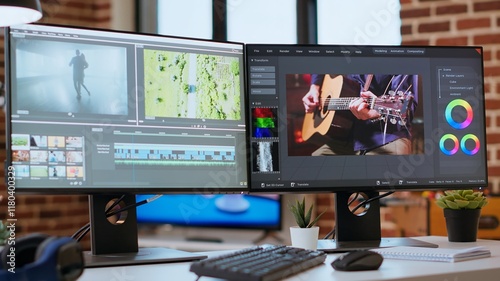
x: 360, y: 108
x: 311, y: 99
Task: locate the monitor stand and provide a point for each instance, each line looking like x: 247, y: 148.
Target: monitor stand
x: 361, y: 231
x: 115, y: 243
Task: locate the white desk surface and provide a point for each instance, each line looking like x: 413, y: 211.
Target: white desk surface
x: 480, y: 269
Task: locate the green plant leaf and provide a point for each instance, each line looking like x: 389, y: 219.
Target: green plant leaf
x: 296, y: 213
x: 302, y: 207
x: 307, y: 218
x: 482, y: 204
x: 303, y: 218
x: 470, y: 197
x: 448, y: 192
x: 451, y: 204
x: 473, y: 205
x: 467, y: 192
x: 462, y: 203
x: 448, y: 197
x: 313, y: 223
x: 441, y: 204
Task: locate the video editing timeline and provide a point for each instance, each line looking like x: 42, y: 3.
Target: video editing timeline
x: 144, y: 102
x: 169, y: 154
x: 444, y: 120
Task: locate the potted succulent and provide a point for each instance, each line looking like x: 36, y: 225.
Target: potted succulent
x: 305, y: 233
x: 462, y: 209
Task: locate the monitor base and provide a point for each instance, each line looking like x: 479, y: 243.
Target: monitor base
x: 143, y: 256
x: 332, y: 246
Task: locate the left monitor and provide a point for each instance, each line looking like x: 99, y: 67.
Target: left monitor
x: 106, y: 113
x: 93, y: 111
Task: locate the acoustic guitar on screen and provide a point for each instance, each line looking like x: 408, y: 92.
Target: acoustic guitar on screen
x: 333, y: 119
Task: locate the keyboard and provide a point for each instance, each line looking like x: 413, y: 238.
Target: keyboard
x: 259, y: 263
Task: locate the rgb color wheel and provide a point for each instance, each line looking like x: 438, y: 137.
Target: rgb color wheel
x: 464, y: 148
x: 449, y: 117
x: 446, y: 151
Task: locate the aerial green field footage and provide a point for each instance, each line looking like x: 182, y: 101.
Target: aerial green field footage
x: 188, y: 85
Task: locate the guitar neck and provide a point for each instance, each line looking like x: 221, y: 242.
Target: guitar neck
x: 339, y: 103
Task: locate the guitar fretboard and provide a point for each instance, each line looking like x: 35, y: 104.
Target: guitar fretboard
x: 342, y: 103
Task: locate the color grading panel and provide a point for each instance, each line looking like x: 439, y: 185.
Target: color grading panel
x: 461, y: 112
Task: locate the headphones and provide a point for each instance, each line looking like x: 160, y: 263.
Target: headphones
x: 41, y: 257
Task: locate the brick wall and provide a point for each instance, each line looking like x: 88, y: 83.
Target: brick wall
x: 457, y: 22
x: 61, y: 214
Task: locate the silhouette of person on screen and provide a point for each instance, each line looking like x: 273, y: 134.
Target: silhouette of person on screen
x: 79, y: 64
x: 85, y: 63
x: 371, y: 133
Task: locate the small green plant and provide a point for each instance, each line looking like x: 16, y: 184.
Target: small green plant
x: 4, y: 233
x: 462, y: 199
x: 302, y: 217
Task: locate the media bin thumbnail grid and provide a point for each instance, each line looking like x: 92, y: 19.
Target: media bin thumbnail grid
x: 48, y: 157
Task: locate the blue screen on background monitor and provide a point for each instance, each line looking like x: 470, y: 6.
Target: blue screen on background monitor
x: 228, y: 211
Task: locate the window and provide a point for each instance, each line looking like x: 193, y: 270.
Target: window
x: 188, y: 18
x: 262, y: 21
x: 362, y: 22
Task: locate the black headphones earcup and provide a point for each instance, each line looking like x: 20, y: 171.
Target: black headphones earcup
x: 25, y: 249
x: 38, y: 256
x: 42, y: 246
x: 63, y: 254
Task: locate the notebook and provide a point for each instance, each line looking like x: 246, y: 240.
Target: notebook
x: 434, y: 254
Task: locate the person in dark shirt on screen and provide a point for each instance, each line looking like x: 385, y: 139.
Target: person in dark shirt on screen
x: 372, y: 132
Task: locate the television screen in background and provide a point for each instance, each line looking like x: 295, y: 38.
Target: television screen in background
x: 261, y: 212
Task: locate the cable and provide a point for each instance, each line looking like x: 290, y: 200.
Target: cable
x: 77, y: 233
x: 134, y: 205
x: 371, y: 200
x: 80, y: 233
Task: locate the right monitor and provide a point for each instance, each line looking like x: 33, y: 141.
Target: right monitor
x: 365, y: 118
x: 358, y: 120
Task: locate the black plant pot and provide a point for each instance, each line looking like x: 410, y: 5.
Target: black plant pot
x: 462, y: 225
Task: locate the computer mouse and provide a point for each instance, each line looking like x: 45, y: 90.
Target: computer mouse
x: 358, y: 260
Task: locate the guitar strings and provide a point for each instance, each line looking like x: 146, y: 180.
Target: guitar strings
x: 345, y: 101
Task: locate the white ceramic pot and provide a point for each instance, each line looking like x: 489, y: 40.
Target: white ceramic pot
x: 306, y: 238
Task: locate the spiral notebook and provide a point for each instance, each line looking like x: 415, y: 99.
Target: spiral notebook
x: 434, y: 254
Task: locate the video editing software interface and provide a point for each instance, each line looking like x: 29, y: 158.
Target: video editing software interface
x: 99, y: 109
x: 338, y: 118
